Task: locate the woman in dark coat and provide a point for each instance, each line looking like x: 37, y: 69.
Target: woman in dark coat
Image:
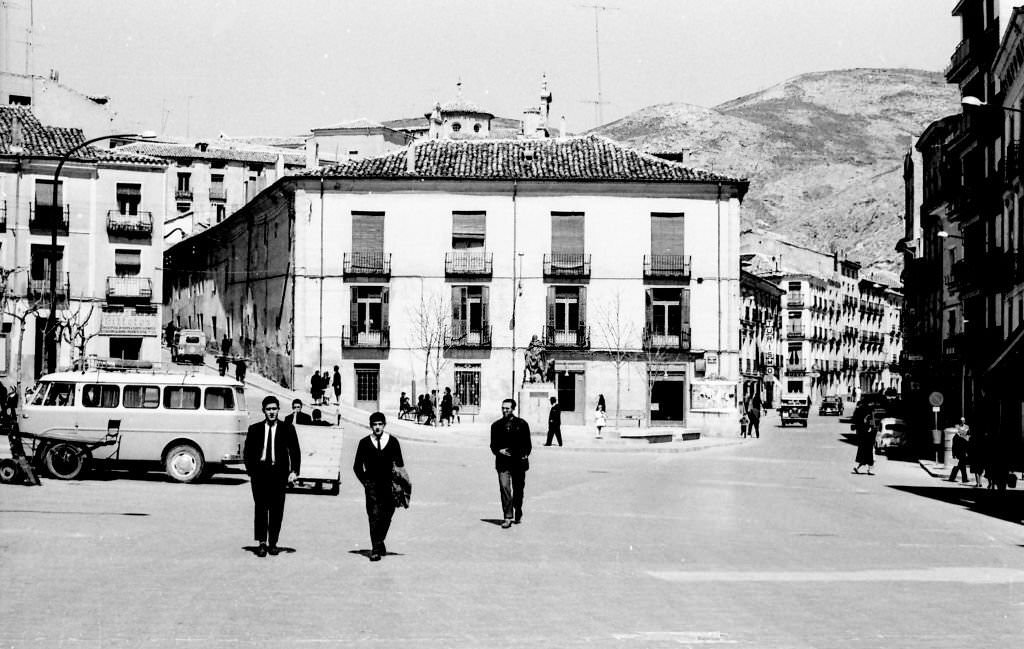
x: 865, y: 439
x: 446, y: 406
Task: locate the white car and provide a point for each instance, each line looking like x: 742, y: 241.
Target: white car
x: 893, y: 434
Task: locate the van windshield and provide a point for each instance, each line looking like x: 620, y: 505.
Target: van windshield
x: 54, y: 394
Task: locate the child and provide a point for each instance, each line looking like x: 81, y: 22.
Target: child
x: 744, y: 425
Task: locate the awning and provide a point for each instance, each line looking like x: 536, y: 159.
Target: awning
x: 1011, y: 346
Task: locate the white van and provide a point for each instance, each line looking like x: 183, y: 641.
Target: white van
x: 189, y: 345
x: 190, y: 423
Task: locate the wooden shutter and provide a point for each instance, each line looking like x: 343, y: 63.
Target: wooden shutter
x: 551, y: 308
x: 567, y: 232
x: 583, y: 306
x: 384, y: 308
x: 353, y: 316
x: 469, y: 226
x: 649, y: 315
x: 666, y: 234
x: 684, y: 306
x: 484, y: 299
x: 368, y: 232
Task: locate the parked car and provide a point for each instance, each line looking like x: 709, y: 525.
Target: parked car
x: 831, y: 406
x: 893, y: 434
x: 794, y: 410
x: 189, y: 346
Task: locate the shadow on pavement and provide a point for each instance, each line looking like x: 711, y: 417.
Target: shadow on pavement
x: 1005, y: 505
x: 106, y: 475
x: 493, y: 521
x: 366, y: 553
x: 43, y: 511
x: 282, y: 549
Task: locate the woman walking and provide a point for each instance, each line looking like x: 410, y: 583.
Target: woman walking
x: 865, y: 439
x: 600, y: 415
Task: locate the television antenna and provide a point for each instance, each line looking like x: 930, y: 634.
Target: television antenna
x: 599, y: 103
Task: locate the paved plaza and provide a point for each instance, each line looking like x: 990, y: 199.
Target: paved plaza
x: 767, y: 543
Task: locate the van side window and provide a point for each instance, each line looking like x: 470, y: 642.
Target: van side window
x: 40, y: 393
x: 141, y: 396
x: 219, y: 399
x: 100, y: 396
x: 60, y: 394
x: 179, y: 397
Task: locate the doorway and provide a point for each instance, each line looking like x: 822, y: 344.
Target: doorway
x: 571, y: 395
x: 668, y: 399
x: 367, y: 385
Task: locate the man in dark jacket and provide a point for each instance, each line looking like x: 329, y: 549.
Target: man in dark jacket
x: 510, y: 443
x: 554, y: 422
x: 272, y: 461
x: 377, y: 456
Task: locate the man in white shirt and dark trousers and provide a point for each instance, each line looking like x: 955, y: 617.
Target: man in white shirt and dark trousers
x: 376, y: 458
x: 272, y: 460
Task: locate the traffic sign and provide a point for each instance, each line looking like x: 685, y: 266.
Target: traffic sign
x: 935, y: 398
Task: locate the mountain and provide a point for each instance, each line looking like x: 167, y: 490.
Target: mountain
x: 823, y: 152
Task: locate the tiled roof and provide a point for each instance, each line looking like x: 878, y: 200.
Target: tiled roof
x: 38, y: 140
x: 461, y: 106
x: 241, y: 154
x: 362, y: 122
x: 586, y: 158
x: 120, y: 155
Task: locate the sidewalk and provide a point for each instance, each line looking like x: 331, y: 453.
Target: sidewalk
x: 477, y: 433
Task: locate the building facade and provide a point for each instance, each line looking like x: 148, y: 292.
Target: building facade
x: 495, y: 267
x: 760, y: 338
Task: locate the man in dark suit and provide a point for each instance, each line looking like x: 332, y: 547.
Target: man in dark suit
x: 510, y: 443
x: 377, y: 457
x: 297, y: 416
x: 554, y: 422
x: 272, y: 460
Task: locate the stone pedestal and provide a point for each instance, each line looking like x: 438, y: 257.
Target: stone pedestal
x: 534, y: 404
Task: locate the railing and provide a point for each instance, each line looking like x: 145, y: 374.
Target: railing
x: 40, y: 288
x: 463, y: 336
x: 367, y: 264
x: 796, y: 369
x: 138, y: 224
x: 182, y: 194
x: 218, y: 194
x: 578, y: 338
x: 567, y: 264
x: 129, y: 288
x: 795, y: 332
x: 667, y: 267
x: 1013, y: 166
x: 373, y: 339
x: 41, y: 218
x: 972, y: 48
x: 953, y: 345
x: 473, y: 263
x: 795, y: 299
x: 667, y: 341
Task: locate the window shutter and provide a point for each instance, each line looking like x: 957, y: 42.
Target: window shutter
x: 469, y: 225
x: 384, y: 308
x: 484, y: 299
x: 353, y: 316
x: 649, y: 304
x: 666, y: 234
x: 551, y: 307
x: 684, y: 304
x: 583, y: 306
x: 567, y: 232
x: 368, y: 232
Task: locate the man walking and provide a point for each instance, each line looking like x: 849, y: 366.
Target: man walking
x: 960, y: 443
x: 510, y: 443
x: 272, y: 460
x: 554, y: 422
x: 377, y: 455
x: 754, y: 415
x: 336, y: 384
x: 297, y: 416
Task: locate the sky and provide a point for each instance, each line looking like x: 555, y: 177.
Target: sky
x: 282, y: 67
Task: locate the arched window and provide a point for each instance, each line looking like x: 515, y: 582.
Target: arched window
x: 476, y: 127
x: 456, y: 127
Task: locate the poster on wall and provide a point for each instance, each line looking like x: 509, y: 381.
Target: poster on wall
x: 712, y: 396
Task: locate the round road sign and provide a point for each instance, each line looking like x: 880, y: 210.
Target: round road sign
x: 936, y: 399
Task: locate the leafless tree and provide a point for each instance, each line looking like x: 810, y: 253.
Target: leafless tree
x: 431, y: 334
x: 619, y: 334
x: 73, y: 328
x: 19, y: 309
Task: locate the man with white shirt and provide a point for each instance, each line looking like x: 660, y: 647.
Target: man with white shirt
x: 376, y: 458
x: 272, y: 460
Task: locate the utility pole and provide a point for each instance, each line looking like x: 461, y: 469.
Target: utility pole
x: 597, y: 48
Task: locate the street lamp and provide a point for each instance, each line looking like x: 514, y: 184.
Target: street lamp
x: 51, y: 327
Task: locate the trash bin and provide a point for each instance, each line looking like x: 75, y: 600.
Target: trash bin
x: 947, y: 446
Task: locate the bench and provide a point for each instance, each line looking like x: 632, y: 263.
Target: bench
x: 627, y: 418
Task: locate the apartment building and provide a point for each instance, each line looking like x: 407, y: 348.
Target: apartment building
x: 108, y: 217
x: 457, y: 262
x: 760, y: 339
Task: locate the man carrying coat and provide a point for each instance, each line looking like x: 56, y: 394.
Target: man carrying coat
x: 272, y: 460
x: 510, y: 443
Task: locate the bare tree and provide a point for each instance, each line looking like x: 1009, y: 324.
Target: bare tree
x: 431, y: 334
x: 74, y: 329
x: 619, y: 334
x: 19, y: 309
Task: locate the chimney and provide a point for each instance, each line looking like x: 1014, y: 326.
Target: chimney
x: 564, y: 132
x: 410, y: 159
x: 201, y: 146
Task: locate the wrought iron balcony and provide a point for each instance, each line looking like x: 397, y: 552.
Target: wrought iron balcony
x: 954, y: 345
x: 367, y: 264
x: 577, y: 338
x: 351, y: 337
x: 41, y: 218
x: 463, y: 336
x: 40, y: 288
x: 567, y: 265
x: 129, y: 288
x: 218, y: 194
x: 657, y: 340
x: 139, y: 224
x: 667, y: 267
x: 183, y: 194
x: 795, y: 331
x: 468, y: 263
x: 796, y: 369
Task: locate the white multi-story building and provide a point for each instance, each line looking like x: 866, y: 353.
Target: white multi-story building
x: 109, y: 219
x: 615, y: 262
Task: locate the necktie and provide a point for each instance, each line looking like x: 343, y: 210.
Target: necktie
x: 378, y: 443
x: 270, y: 443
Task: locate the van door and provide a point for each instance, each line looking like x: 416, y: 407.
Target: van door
x: 97, y: 408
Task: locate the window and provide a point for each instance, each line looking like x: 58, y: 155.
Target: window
x: 476, y: 127
x: 19, y: 100
x: 222, y: 212
x: 219, y: 399
x: 39, y: 263
x: 184, y: 183
x: 794, y: 286
x: 141, y: 396
x: 565, y: 308
x: 469, y: 229
x: 55, y: 394
x: 368, y: 232
x: 100, y: 396
x: 354, y: 152
x: 469, y: 312
x: 181, y: 398
x: 567, y: 232
x: 666, y: 234
x: 368, y: 312
x: 5, y: 349
x: 467, y: 387
x: 666, y: 315
x: 127, y: 263
x: 795, y: 387
x: 456, y: 127
x: 44, y: 197
x: 129, y: 195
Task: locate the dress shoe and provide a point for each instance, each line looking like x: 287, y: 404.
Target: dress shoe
x: 518, y: 519
x: 374, y: 556
x: 261, y: 551
x: 274, y: 550
x: 505, y: 524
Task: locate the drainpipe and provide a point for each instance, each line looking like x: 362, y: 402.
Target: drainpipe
x: 515, y: 292
x: 718, y: 247
x: 320, y: 353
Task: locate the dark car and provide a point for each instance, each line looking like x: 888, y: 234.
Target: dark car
x: 831, y: 406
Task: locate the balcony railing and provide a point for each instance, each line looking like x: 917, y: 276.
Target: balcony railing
x: 373, y: 339
x: 468, y: 263
x: 970, y: 50
x: 463, y: 336
x: 1013, y: 167
x: 218, y: 194
x: 667, y: 267
x: 567, y: 264
x: 367, y: 264
x: 654, y: 340
x: 954, y: 345
x: 129, y: 288
x: 796, y: 369
x: 182, y: 194
x: 795, y: 300
x: 578, y: 338
x: 40, y: 288
x: 139, y: 224
x: 41, y: 218
x: 795, y: 331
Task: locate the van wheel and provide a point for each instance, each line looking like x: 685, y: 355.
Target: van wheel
x: 184, y: 463
x: 65, y: 461
x: 8, y: 471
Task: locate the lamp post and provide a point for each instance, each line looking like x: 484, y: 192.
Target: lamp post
x: 51, y: 327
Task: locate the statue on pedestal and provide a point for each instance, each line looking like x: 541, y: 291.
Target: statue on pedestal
x: 536, y: 365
